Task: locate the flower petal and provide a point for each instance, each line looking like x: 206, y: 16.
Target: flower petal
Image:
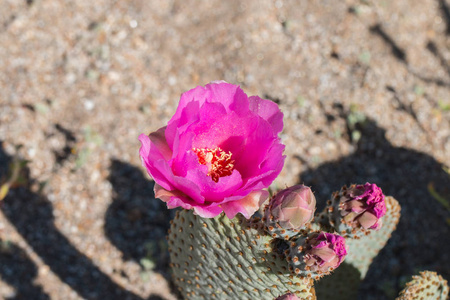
x: 367, y: 220
x: 180, y: 124
x: 325, y: 253
x: 207, y: 211
x: 215, y: 191
x: 156, y: 144
x: 197, y: 96
x: 269, y: 111
x: 231, y: 96
x: 151, y: 156
x: 163, y: 175
x: 247, y: 205
x: 172, y: 198
x: 254, y: 156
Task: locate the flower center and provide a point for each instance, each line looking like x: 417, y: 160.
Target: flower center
x: 219, y: 162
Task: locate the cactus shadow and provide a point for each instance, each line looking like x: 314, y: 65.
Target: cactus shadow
x: 135, y: 222
x: 342, y: 284
x: 32, y: 216
x: 19, y: 271
x: 445, y: 11
x: 155, y: 297
x: 418, y: 243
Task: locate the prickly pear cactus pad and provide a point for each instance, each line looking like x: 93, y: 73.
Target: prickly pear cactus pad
x: 362, y: 251
x: 427, y: 285
x: 219, y: 258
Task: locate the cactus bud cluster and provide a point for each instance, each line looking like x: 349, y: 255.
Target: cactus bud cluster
x: 317, y: 254
x: 288, y: 216
x: 357, y: 209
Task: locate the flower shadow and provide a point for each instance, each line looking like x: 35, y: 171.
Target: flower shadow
x: 135, y: 222
x: 32, y: 216
x: 19, y: 271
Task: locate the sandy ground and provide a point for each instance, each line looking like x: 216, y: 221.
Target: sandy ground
x: 364, y: 87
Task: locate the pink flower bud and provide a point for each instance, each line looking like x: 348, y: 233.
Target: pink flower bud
x: 316, y: 254
x: 294, y: 206
x: 290, y: 210
x: 288, y: 296
x: 363, y: 205
x: 324, y: 252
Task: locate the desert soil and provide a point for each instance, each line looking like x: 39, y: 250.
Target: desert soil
x: 364, y: 87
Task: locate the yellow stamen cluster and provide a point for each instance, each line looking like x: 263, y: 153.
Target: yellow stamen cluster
x: 219, y: 162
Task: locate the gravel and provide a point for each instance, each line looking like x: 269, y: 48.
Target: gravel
x: 364, y: 87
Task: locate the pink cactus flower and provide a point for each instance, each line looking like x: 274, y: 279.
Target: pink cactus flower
x: 288, y: 296
x: 364, y: 205
x: 217, y: 153
x: 293, y: 207
x: 325, y: 251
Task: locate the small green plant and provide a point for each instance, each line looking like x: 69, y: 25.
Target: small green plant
x: 15, y: 176
x: 444, y: 106
x: 301, y: 101
x: 365, y: 56
x: 419, y: 90
x: 91, y: 139
x: 441, y: 199
x: 354, y: 117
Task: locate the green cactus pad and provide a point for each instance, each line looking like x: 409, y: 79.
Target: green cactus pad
x: 427, y: 285
x: 362, y: 251
x: 220, y: 258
